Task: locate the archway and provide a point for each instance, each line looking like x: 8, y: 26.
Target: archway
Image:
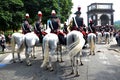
x: 104, y: 20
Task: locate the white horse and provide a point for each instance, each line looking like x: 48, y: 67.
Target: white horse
x: 30, y: 39
x: 50, y: 42
x: 92, y: 42
x: 17, y: 39
x: 75, y: 43
x: 106, y: 36
x: 99, y: 37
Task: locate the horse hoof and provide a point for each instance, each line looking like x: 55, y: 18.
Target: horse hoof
x: 29, y: 64
x: 76, y: 75
x: 14, y: 61
x: 72, y: 73
x: 51, y: 69
x: 81, y: 64
x: 57, y: 61
x: 34, y: 57
x: 90, y: 54
x: 21, y: 61
x: 61, y: 61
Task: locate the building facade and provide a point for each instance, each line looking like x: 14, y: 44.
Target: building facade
x: 101, y: 14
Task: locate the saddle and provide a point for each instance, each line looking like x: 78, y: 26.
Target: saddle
x: 62, y: 39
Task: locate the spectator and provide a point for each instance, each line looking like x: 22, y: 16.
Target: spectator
x: 118, y: 37
x: 2, y: 41
x: 9, y: 39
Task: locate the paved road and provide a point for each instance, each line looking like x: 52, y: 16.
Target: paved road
x: 105, y: 65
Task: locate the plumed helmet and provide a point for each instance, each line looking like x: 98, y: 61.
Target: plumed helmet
x: 78, y: 12
x: 39, y: 13
x: 91, y: 21
x: 27, y: 15
x: 53, y: 14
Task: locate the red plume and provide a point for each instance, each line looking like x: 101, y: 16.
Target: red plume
x: 27, y: 15
x: 39, y: 13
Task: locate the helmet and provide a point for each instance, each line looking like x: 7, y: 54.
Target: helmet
x: 27, y: 15
x: 78, y: 12
x: 39, y: 13
x: 53, y: 14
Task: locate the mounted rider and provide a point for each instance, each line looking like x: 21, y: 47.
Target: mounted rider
x: 26, y: 27
x: 91, y: 28
x: 77, y: 21
x: 38, y: 26
x: 54, y: 24
x: 65, y: 28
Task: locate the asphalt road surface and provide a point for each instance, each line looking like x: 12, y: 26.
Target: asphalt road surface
x: 104, y: 65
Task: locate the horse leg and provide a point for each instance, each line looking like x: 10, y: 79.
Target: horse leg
x: 34, y: 53
x: 72, y: 65
x: 19, y: 58
x: 42, y: 52
x: 27, y: 58
x: 93, y: 52
x: 81, y: 60
x: 61, y: 53
x: 13, y: 57
x: 50, y: 63
x: 77, y: 73
x: 57, y: 53
x: 59, y: 50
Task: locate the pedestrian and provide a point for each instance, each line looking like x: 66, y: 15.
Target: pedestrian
x: 26, y: 27
x: 9, y: 39
x: 117, y: 36
x: 2, y: 41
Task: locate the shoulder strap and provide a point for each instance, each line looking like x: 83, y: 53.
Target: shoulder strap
x: 35, y: 26
x: 75, y: 22
x: 23, y: 26
x: 51, y: 24
x: 90, y: 28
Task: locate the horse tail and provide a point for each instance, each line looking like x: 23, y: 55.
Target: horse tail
x: 92, y: 43
x: 78, y: 45
x: 107, y: 36
x: 99, y: 36
x: 46, y: 52
x: 13, y: 43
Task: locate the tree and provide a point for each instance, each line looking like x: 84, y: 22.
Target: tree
x: 10, y: 14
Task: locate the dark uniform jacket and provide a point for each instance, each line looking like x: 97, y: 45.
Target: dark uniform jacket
x: 79, y: 21
x: 26, y: 28
x: 53, y: 25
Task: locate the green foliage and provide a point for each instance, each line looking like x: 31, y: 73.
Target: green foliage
x: 117, y: 26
